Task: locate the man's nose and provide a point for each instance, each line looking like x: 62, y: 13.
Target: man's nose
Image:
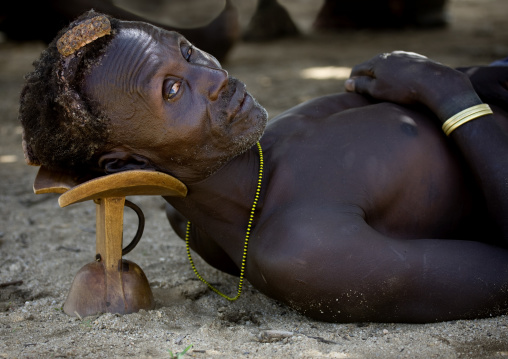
x: 216, y: 81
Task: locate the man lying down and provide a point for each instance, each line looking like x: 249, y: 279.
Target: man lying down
x: 386, y: 203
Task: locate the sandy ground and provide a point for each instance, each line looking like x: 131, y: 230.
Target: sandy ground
x: 43, y: 245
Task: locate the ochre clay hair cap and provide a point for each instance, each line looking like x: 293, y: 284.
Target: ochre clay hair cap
x: 82, y: 34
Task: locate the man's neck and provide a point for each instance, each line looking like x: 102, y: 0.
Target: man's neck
x: 220, y: 204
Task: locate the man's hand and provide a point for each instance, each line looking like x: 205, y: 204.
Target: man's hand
x: 388, y: 77
x: 408, y: 78
x: 490, y: 83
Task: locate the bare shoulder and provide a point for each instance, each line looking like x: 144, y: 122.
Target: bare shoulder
x: 298, y: 234
x: 326, y: 105
x: 312, y: 257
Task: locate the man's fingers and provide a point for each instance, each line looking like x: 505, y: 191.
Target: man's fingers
x: 363, y: 69
x: 361, y: 84
x: 350, y: 85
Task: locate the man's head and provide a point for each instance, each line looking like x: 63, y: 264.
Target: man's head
x: 60, y: 127
x: 152, y: 100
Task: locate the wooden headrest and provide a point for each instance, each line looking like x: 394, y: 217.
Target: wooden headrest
x: 55, y: 181
x: 129, y: 183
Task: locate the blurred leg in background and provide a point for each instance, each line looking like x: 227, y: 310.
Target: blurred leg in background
x: 340, y: 14
x: 41, y: 20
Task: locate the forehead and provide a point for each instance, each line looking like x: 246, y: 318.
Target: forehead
x: 137, y: 40
x: 135, y: 54
x: 126, y: 71
x: 136, y: 31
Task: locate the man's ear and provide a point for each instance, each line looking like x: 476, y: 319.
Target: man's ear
x: 119, y: 161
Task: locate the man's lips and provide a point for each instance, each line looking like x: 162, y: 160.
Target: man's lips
x: 241, y: 102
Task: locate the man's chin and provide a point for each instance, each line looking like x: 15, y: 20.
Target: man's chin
x: 236, y: 137
x: 238, y: 146
x: 256, y: 130
x: 247, y: 139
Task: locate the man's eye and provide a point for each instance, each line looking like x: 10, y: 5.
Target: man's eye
x: 170, y: 89
x: 188, y: 53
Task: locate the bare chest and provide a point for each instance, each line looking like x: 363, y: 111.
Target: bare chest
x: 391, y: 163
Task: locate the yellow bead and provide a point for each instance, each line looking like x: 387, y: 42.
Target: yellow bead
x: 247, y: 234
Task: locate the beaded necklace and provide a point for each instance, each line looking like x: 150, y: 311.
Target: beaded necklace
x: 246, y: 242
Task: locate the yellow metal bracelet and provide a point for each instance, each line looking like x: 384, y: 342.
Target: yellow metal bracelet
x: 465, y: 116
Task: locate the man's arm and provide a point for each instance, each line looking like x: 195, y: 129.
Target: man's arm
x: 490, y: 83
x: 348, y: 272
x: 411, y: 78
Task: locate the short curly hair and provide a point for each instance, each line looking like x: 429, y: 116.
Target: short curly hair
x: 62, y: 128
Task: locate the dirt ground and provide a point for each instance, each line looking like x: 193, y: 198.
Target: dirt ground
x: 43, y: 245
